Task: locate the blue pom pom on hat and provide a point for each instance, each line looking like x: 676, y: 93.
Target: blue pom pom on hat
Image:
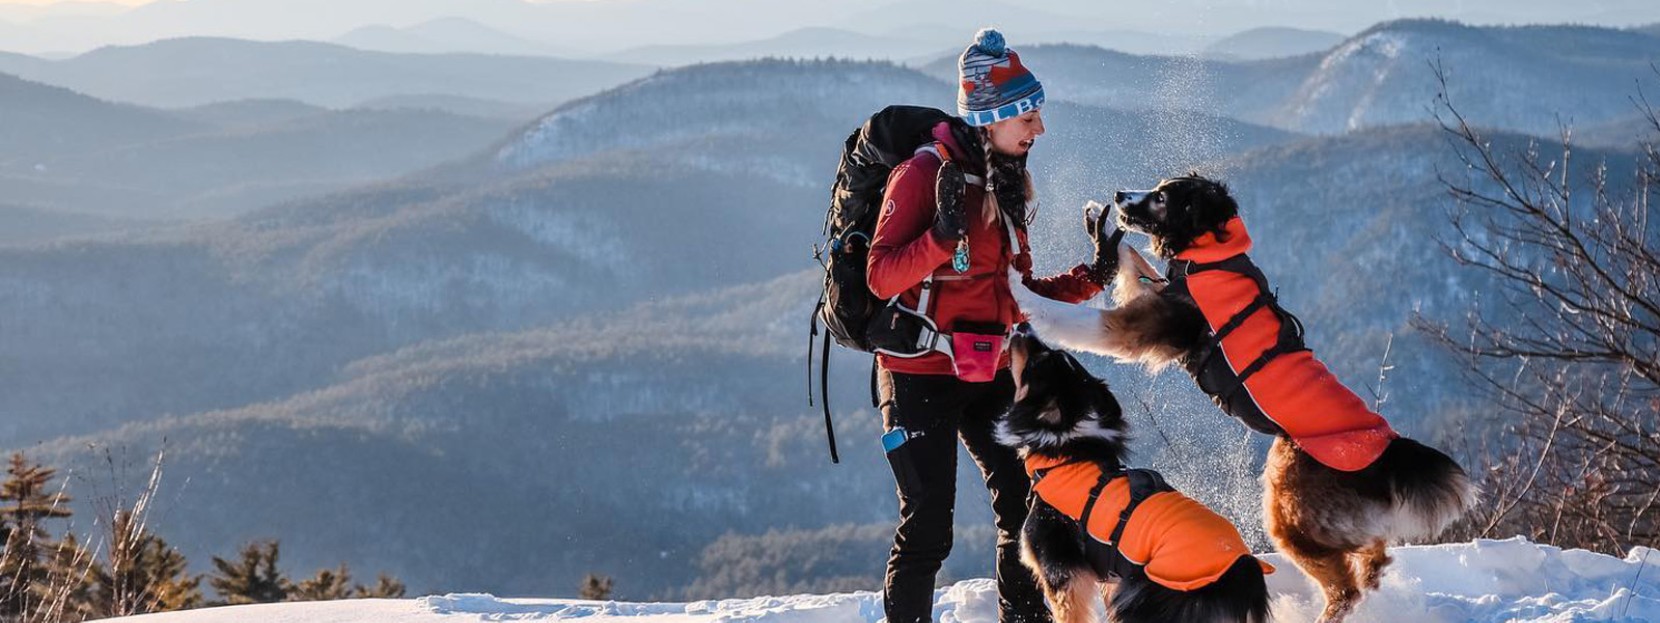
x: 993, y: 85
x: 990, y: 42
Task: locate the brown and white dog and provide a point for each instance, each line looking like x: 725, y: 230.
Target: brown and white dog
x: 1339, y: 484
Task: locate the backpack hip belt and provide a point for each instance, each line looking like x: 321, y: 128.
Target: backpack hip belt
x: 930, y: 339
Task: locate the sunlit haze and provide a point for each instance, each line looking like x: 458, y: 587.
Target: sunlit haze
x: 588, y: 28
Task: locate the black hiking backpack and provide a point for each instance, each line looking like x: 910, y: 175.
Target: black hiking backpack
x: 846, y: 305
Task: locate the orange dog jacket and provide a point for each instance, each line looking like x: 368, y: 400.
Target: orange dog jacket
x: 1176, y: 541
x: 1257, y: 369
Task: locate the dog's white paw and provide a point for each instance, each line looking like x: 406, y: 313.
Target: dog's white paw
x: 1075, y: 327
x: 1030, y: 302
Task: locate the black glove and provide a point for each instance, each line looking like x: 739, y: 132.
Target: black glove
x: 950, y: 220
x: 1105, y: 263
x: 970, y: 140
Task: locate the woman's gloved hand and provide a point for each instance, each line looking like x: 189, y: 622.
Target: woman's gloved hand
x: 950, y: 218
x: 1097, y: 223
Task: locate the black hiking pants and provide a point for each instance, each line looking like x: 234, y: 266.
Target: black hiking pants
x: 936, y: 411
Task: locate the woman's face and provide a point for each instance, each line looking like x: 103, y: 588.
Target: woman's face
x: 1014, y: 137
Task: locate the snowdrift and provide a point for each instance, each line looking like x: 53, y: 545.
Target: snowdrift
x: 1480, y: 582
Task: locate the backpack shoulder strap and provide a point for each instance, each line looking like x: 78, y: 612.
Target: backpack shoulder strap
x: 1015, y: 248
x: 938, y: 149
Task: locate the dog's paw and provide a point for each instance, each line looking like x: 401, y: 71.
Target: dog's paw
x: 1129, y: 255
x: 1028, y: 300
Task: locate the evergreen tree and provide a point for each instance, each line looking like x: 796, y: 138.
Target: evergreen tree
x: 386, y: 587
x: 67, y: 594
x: 327, y: 585
x: 252, y: 579
x: 27, y: 499
x: 596, y: 587
x: 144, y: 573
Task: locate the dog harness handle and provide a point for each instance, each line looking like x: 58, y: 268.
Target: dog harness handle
x: 1290, y: 339
x: 1144, y: 483
x: 1107, y: 475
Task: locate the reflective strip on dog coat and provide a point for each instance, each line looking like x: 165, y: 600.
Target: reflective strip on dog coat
x: 1293, y: 389
x: 1178, y: 542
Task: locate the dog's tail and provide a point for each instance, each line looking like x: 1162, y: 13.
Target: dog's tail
x: 1428, y: 490
x: 1239, y: 596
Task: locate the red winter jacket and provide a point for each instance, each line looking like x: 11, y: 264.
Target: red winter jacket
x: 904, y: 251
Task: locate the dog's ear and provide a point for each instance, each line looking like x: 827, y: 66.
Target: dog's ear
x: 1106, y: 405
x: 1211, y: 207
x: 1051, y: 413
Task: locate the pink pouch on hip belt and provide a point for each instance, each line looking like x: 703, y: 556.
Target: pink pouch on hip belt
x: 975, y: 350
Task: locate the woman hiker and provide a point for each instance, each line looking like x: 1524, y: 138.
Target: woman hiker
x: 953, y: 223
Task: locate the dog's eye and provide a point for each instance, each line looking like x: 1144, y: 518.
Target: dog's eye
x: 1158, y: 196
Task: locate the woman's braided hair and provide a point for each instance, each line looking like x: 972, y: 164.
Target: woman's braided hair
x: 1008, y: 180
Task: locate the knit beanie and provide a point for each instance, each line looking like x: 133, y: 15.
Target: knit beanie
x: 995, y: 86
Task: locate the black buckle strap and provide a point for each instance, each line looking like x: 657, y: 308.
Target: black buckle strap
x: 812, y: 334
x: 1290, y: 339
x: 1107, y: 475
x: 823, y: 379
x: 1262, y: 300
x: 1180, y: 269
x: 1038, y: 474
x: 1144, y: 483
x: 824, y: 397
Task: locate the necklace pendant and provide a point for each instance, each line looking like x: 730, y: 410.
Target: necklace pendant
x: 959, y: 259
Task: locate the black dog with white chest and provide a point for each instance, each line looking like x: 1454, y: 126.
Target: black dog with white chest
x: 1098, y: 530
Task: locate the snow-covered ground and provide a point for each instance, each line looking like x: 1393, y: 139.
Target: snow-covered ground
x: 1511, y: 581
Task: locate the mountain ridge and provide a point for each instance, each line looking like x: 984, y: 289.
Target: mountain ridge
x: 191, y: 71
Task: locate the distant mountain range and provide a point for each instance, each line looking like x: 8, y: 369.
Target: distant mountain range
x: 29, y: 225
x: 1622, y: 134
x: 1382, y: 76
x: 195, y: 71
x: 1379, y: 77
x: 459, y: 105
x: 1265, y: 43
x: 250, y: 113
x: 1180, y: 27
x: 449, y: 35
x: 45, y: 121
x: 1574, y: 74
x: 602, y: 27
x: 66, y: 151
x: 804, y: 43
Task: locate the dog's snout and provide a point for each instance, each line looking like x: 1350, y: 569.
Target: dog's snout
x: 1130, y: 197
x: 1017, y: 342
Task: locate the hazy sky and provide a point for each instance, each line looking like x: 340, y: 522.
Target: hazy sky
x: 1355, y: 11
x: 45, y: 2
x: 600, y: 25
